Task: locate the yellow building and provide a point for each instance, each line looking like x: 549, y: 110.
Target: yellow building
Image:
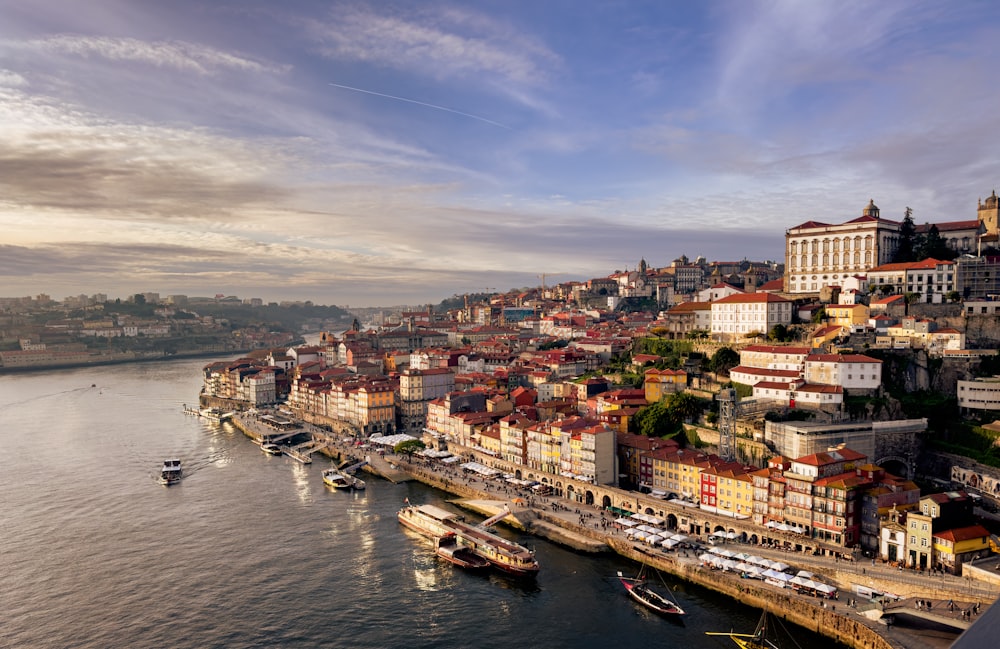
x: 847, y: 315
x: 659, y: 383
x: 954, y: 547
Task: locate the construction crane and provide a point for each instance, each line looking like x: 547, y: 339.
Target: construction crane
x: 543, y: 276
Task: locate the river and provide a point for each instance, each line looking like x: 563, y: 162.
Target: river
x: 253, y: 551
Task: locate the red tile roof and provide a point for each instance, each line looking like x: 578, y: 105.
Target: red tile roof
x: 752, y: 298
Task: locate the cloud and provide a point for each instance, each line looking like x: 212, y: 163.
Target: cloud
x: 431, y: 44
x: 180, y: 55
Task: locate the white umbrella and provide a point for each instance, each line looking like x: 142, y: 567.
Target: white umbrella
x: 777, y: 565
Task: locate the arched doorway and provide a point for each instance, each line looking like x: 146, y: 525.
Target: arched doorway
x: 589, y: 499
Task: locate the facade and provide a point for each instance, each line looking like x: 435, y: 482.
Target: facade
x: 736, y: 316
x: 954, y: 547
x: 979, y: 394
x: 932, y: 280
x: 818, y: 255
x: 659, y: 383
x: 849, y: 371
x: 688, y: 317
x: 416, y: 389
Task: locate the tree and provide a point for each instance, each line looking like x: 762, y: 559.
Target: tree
x: 723, y: 360
x: 656, y: 420
x: 933, y: 246
x: 778, y: 333
x: 905, y: 251
x: 954, y: 296
x: 139, y: 298
x: 685, y: 406
x: 409, y: 447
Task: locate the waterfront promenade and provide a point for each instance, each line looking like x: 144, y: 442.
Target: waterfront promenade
x: 851, y: 619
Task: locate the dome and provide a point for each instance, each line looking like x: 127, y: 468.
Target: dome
x: 871, y: 209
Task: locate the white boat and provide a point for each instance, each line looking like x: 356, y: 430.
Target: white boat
x: 340, y: 480
x: 215, y: 414
x: 171, y: 472
x: 270, y: 449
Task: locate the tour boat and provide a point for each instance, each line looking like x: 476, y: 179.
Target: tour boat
x: 270, y: 449
x: 448, y: 549
x: 504, y: 555
x: 171, y: 472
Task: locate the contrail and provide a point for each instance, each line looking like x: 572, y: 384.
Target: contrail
x: 421, y: 103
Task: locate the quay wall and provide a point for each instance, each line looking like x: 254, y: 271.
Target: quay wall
x: 825, y: 621
x: 803, y: 612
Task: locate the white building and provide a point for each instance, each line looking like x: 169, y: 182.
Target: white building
x: 931, y: 279
x: 980, y: 394
x: 849, y: 371
x: 820, y: 254
x: 736, y: 316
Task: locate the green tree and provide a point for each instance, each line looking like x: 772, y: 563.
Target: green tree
x: 685, y: 406
x: 656, y: 420
x: 778, y: 333
x: 409, y: 447
x: 723, y: 360
x: 905, y: 251
x: 933, y: 246
x: 139, y: 298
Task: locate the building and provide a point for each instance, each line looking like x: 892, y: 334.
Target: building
x: 659, y: 383
x: 416, y: 389
x: 818, y: 255
x: 737, y: 316
x: 849, y: 371
x: 979, y: 394
x: 954, y: 547
x: 932, y: 280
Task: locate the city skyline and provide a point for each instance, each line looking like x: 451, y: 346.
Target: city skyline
x: 368, y: 154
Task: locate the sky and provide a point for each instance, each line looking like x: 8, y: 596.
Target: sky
x: 384, y: 153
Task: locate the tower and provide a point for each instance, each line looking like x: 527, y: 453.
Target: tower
x: 728, y: 407
x: 989, y: 214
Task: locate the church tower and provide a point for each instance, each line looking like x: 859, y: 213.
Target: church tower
x: 989, y: 214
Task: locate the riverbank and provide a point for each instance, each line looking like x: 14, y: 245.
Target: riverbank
x: 589, y: 530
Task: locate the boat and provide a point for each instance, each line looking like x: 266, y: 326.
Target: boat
x: 341, y: 480
x: 448, y: 549
x: 640, y: 591
x: 756, y: 640
x: 171, y: 472
x: 270, y: 448
x: 504, y: 555
x: 215, y: 414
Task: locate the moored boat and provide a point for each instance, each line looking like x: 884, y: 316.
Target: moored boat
x: 448, y: 549
x: 171, y: 472
x: 756, y: 640
x: 270, y: 449
x: 341, y: 480
x: 507, y: 556
x: 640, y: 591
